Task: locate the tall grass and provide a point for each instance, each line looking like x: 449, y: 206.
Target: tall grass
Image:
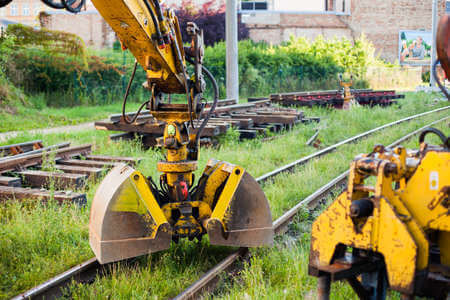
x: 64, y: 229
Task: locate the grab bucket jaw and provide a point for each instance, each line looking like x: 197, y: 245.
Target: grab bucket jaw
x: 126, y: 220
x: 241, y: 216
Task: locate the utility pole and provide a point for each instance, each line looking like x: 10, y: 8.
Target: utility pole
x: 433, y: 47
x: 231, y: 37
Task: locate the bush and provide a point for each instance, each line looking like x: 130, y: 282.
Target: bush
x: 292, y: 66
x: 57, y: 65
x: 10, y: 95
x: 102, y: 76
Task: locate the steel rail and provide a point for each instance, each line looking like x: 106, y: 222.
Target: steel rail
x: 280, y: 225
x: 52, y: 287
x: 48, y: 288
x: 49, y: 148
x: 331, y: 148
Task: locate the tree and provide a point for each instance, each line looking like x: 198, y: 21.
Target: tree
x: 210, y: 17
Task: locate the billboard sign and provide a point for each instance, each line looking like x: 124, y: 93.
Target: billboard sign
x: 415, y: 47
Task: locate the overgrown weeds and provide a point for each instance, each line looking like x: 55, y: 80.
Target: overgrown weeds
x: 277, y: 272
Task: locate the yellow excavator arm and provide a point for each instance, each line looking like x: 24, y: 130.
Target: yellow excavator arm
x: 152, y: 36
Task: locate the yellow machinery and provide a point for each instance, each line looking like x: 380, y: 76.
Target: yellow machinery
x: 349, y: 100
x: 130, y: 214
x: 394, y: 233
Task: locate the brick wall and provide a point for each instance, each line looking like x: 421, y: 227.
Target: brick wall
x: 283, y: 26
x: 89, y: 25
x: 379, y: 20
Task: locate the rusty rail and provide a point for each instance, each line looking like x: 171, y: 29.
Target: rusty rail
x: 75, y: 172
x: 335, y: 98
x: 86, y: 269
x: 20, y: 148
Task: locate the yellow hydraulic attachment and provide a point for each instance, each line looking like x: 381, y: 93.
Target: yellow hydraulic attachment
x: 130, y: 214
x: 349, y: 100
x: 395, y: 233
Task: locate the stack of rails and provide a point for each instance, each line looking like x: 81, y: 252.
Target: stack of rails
x: 250, y: 119
x: 335, y: 98
x: 23, y: 174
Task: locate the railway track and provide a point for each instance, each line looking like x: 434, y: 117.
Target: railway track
x: 87, y: 271
x: 206, y: 282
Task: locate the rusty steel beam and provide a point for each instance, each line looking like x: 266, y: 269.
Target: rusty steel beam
x: 90, y: 172
x: 47, y: 179
x: 155, y: 128
x: 335, y: 98
x: 87, y: 163
x: 313, y: 138
x: 10, y: 181
x: 261, y: 119
x: 14, y: 163
x: 49, y: 148
x: 18, y: 193
x: 127, y: 160
x: 145, y: 114
x: 15, y: 149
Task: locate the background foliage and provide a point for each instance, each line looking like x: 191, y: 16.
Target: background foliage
x: 77, y: 76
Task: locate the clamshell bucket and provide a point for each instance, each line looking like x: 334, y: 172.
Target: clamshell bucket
x: 241, y: 213
x: 126, y: 220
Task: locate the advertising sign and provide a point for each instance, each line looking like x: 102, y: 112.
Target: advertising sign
x: 415, y: 47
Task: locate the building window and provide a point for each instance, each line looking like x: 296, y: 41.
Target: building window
x: 37, y: 8
x: 447, y: 7
x: 26, y: 9
x: 13, y: 9
x: 2, y: 12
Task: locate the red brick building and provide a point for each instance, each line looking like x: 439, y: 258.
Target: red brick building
x: 379, y: 20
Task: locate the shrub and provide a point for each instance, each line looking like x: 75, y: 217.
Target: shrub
x: 102, y: 76
x: 292, y: 66
x: 50, y: 41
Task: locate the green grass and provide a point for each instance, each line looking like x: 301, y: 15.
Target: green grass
x: 43, y: 241
x: 41, y: 116
x: 282, y: 271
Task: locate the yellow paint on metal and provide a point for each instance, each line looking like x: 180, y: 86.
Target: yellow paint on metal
x: 142, y: 188
x: 133, y: 24
x: 429, y: 180
x: 177, y: 167
x: 137, y: 197
x: 410, y: 201
x: 227, y: 194
x: 217, y: 177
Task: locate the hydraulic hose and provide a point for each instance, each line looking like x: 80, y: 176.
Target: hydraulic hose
x: 68, y: 5
x: 125, y: 98
x: 158, y: 10
x: 439, y: 83
x: 213, y: 106
x: 155, y: 22
x: 52, y: 4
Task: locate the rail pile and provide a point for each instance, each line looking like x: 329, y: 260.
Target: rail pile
x: 30, y: 171
x: 335, y: 98
x: 250, y: 119
x: 86, y: 272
